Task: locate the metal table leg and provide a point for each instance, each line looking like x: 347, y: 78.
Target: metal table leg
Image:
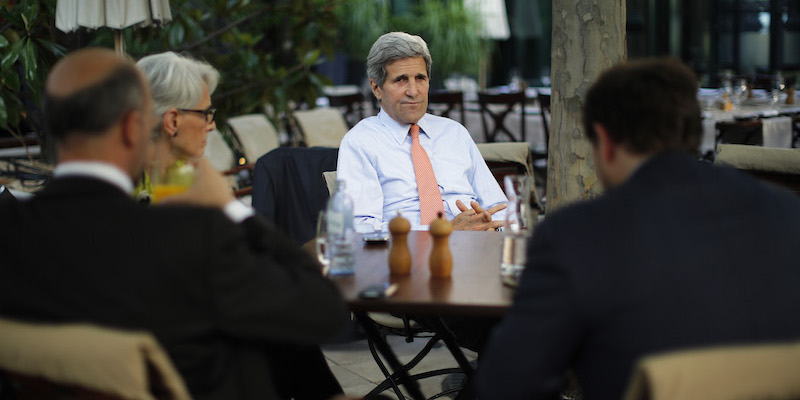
x: 380, y: 343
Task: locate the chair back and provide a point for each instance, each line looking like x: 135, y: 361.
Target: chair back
x: 87, y: 361
x: 510, y: 158
x: 497, y: 106
x: 218, y: 153
x: 445, y: 102
x: 764, y: 371
x: 775, y: 165
x: 350, y: 105
x: 256, y: 135
x: 330, y: 181
x: 740, y: 132
x: 321, y: 127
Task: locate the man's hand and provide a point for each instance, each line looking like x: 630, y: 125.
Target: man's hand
x: 476, y: 218
x: 210, y: 189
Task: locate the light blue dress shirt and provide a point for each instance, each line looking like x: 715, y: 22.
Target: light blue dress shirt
x: 375, y: 163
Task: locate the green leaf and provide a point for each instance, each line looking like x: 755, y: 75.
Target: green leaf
x: 12, y: 56
x: 54, y: 48
x: 176, y: 33
x: 3, y: 42
x: 3, y: 114
x: 29, y: 62
x: 11, y: 79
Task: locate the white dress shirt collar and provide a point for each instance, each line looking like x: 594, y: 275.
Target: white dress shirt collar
x: 95, y: 169
x: 400, y: 131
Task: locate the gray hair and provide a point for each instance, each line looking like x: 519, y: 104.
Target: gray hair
x: 394, y: 46
x: 176, y: 80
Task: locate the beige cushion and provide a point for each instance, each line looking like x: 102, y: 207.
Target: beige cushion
x: 101, y: 359
x: 256, y: 134
x: 217, y: 151
x: 330, y: 181
x: 324, y: 127
x: 759, y: 158
x: 737, y: 372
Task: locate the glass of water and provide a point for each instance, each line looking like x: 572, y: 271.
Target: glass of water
x: 518, y: 223
x: 322, y: 241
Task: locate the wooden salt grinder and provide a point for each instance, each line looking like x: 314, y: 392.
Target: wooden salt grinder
x: 441, y: 260
x: 399, y: 254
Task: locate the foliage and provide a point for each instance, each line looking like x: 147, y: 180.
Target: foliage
x: 264, y: 50
x: 27, y: 51
x: 450, y: 30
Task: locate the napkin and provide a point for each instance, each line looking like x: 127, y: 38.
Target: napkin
x: 777, y: 131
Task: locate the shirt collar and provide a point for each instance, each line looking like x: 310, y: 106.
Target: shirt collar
x: 95, y: 169
x: 400, y: 131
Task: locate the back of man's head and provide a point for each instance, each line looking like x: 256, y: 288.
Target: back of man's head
x: 646, y: 106
x: 90, y: 90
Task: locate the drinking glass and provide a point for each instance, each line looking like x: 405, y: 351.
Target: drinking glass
x: 777, y: 89
x: 174, y: 180
x: 740, y: 92
x: 322, y: 241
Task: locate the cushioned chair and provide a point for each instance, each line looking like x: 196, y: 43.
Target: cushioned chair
x: 496, y: 106
x: 81, y: 361
x: 774, y: 165
x: 255, y: 134
x: 764, y: 371
x: 321, y: 127
x: 510, y: 158
x: 350, y: 105
x: 223, y: 159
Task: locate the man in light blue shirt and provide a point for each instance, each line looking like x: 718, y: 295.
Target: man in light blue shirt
x: 375, y: 156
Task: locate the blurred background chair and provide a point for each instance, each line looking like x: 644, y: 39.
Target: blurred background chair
x: 321, y: 127
x: 445, y: 102
x: 774, y: 165
x: 255, y: 135
x: 81, y: 361
x: 740, y: 132
x: 495, y: 107
x: 351, y: 106
x: 759, y: 371
x: 510, y: 158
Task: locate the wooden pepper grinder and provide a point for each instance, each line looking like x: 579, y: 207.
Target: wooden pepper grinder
x: 441, y: 261
x: 790, y: 95
x: 399, y: 254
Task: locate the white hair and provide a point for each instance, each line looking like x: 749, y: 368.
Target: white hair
x: 395, y: 46
x: 176, y: 80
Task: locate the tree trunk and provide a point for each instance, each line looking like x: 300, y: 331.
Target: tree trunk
x: 588, y: 37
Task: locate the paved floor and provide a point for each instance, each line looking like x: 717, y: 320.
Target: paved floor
x: 357, y: 372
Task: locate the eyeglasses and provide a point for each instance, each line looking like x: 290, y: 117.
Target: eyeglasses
x: 209, y: 113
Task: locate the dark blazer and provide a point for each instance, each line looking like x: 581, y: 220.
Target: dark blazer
x: 289, y: 190
x: 682, y: 255
x: 213, y: 292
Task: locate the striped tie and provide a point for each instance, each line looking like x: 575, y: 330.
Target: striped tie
x: 430, y: 199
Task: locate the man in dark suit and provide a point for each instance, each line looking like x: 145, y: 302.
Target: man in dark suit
x: 676, y: 254
x: 218, y: 289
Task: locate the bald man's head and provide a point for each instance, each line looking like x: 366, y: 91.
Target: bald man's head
x: 90, y: 90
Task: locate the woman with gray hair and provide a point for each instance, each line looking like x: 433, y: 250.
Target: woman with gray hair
x: 181, y: 90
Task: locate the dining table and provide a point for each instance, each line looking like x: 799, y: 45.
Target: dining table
x: 475, y: 288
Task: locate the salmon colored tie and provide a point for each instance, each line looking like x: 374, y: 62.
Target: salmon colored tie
x: 430, y: 199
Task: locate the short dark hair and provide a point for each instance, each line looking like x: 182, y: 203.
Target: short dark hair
x: 94, y: 109
x: 648, y: 106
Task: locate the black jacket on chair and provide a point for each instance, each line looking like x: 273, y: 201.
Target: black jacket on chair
x: 289, y: 190
x: 682, y: 255
x: 214, y: 293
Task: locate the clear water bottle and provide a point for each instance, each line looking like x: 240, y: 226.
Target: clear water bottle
x: 340, y: 231
x: 518, y: 222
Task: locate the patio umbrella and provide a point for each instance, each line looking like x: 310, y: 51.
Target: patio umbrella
x: 115, y: 14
